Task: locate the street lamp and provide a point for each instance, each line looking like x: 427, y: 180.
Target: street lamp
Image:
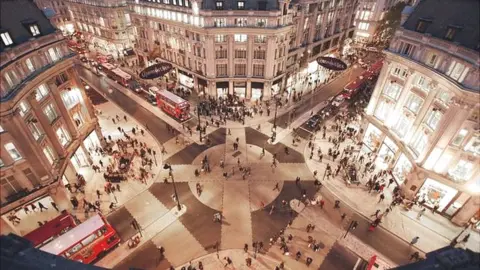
x: 169, y: 168
x: 199, y: 127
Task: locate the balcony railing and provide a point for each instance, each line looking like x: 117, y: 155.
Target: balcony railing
x: 32, y: 76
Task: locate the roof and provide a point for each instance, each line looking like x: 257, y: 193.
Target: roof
x: 15, y: 14
x: 73, y: 236
x: 171, y: 96
x: 249, y: 4
x: 444, y: 13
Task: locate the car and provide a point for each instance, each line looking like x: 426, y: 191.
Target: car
x: 314, y: 121
x: 152, y: 100
x: 371, y: 49
x: 153, y: 90
x: 338, y: 100
x: 135, y: 86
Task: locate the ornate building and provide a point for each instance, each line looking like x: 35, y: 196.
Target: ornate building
x: 47, y: 122
x: 368, y: 17
x: 250, y: 48
x: 422, y: 121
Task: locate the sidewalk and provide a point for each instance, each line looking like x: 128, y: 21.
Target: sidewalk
x: 434, y: 231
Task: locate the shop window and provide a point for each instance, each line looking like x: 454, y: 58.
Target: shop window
x: 436, y: 193
x: 41, y: 92
x: 12, y: 151
x: 392, y: 90
x: 402, y: 168
x: 458, y: 140
x: 461, y: 172
x: 414, y: 103
x: 433, y: 118
x: 473, y: 145
x: 443, y: 163
x: 372, y: 137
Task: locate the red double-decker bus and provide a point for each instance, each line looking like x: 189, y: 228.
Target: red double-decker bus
x: 173, y: 105
x: 86, y: 242
x: 51, y: 230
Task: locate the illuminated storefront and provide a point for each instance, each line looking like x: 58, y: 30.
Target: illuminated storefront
x: 276, y: 87
x: 386, y: 153
x: 222, y: 89
x: 402, y: 168
x: 257, y: 90
x: 240, y: 89
x: 436, y: 193
x: 185, y: 79
x: 371, y: 140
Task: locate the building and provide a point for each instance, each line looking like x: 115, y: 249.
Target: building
x: 446, y: 258
x: 47, y: 123
x: 58, y: 14
x: 248, y: 48
x: 18, y: 253
x: 368, y: 16
x: 422, y: 121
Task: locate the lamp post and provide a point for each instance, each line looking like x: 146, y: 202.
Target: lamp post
x: 169, y: 167
x: 199, y: 127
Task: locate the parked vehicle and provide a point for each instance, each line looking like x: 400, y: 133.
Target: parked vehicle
x: 338, y: 100
x: 314, y: 121
x: 135, y: 86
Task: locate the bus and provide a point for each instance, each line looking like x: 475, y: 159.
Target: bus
x: 362, y: 81
x: 51, y: 230
x: 86, y: 242
x: 119, y: 76
x: 105, y: 67
x: 173, y: 105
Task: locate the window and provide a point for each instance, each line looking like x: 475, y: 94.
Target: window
x: 240, y: 37
x: 363, y: 26
x: 73, y: 250
x: 220, y: 38
x: 422, y: 25
x: 433, y: 118
x: 241, y: 5
x: 219, y: 22
x: 241, y: 22
x: 392, y: 90
x: 419, y: 142
x: 241, y: 53
x: 89, y: 239
x: 451, y: 32
x: 50, y: 112
x: 444, y: 96
x: 240, y: 69
x: 10, y: 185
x: 42, y: 92
x: 34, y: 129
x: 402, y: 126
x: 1, y: 129
x: 258, y: 70
x: 383, y: 110
x: 457, y: 141
x: 432, y: 59
x: 53, y: 54
x: 457, y: 71
x: 414, y: 103
x: 6, y: 39
x: 261, y: 22
x: 34, y: 30
x: 260, y: 39
x: 12, y: 151
x: 423, y: 83
x: 473, y: 145
x: 61, y: 79
x: 78, y: 119
x: 219, y: 5
x: 47, y: 151
x: 259, y: 54
x: 30, y: 65
x: 221, y: 53
x: 400, y: 72
x: 24, y: 108
x: 1, y: 163
x: 63, y: 136
x: 406, y: 48
x: 221, y: 70
x: 461, y: 172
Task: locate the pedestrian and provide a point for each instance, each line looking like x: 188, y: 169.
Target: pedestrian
x: 298, y: 255
x: 297, y: 181
x: 420, y: 213
x: 143, y: 132
x: 343, y: 216
x: 414, y: 240
x: 309, y: 226
x: 415, y: 256
x: 98, y: 194
x: 118, y: 187
x: 33, y: 207
x: 248, y: 261
x: 40, y: 205
x: 337, y: 204
x: 25, y: 208
x: 271, y: 209
x: 376, y: 213
x: 125, y: 118
x: 382, y: 197
x: 309, y: 261
x: 322, y: 203
x: 276, y: 187
x: 245, y: 247
x: 228, y: 261
x: 54, y: 205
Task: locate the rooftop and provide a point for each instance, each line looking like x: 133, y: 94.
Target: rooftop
x: 248, y: 5
x: 441, y: 15
x: 16, y: 18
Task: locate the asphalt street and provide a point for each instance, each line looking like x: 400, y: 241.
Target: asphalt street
x: 339, y: 258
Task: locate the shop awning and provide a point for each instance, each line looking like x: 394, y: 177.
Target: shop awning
x: 222, y: 84
x: 277, y: 81
x: 202, y: 82
x: 257, y: 85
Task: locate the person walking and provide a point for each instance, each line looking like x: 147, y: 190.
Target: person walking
x: 54, y: 205
x: 41, y: 206
x: 337, y: 204
x: 420, y: 213
x: 298, y: 255
x: 98, y: 194
x: 376, y: 213
x: 309, y: 261
x: 382, y: 197
x: 276, y: 187
x: 245, y: 247
x: 414, y: 240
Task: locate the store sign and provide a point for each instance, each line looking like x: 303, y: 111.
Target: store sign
x: 155, y: 71
x: 332, y: 63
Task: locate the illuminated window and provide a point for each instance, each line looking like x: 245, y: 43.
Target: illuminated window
x: 6, y: 39
x: 63, y: 136
x: 462, y: 171
x: 260, y: 39
x: 433, y: 118
x: 473, y: 145
x: 24, y: 108
x: 402, y: 126
x: 50, y: 112
x: 457, y: 71
x: 241, y: 5
x: 12, y: 151
x: 240, y: 37
x: 392, y: 90
x: 419, y: 142
x: 30, y: 65
x: 458, y: 140
x: 219, y: 5
x: 34, y: 30
x: 414, y: 103
x: 220, y: 38
x: 41, y: 93
x: 219, y: 22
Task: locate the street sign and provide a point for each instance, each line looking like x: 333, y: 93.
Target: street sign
x: 332, y: 63
x: 155, y: 71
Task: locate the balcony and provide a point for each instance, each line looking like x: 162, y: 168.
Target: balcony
x: 13, y: 92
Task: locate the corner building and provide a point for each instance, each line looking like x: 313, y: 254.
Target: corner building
x: 47, y: 123
x: 422, y: 121
x: 249, y: 48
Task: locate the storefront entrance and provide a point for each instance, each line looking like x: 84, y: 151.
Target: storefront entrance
x: 91, y: 142
x: 402, y: 168
x: 222, y: 89
x: 371, y: 140
x: 240, y: 89
x: 257, y: 90
x: 386, y: 154
x: 436, y: 193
